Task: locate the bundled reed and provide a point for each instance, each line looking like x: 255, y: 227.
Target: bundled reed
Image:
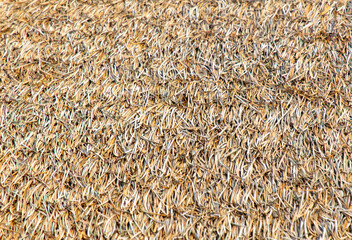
x: 177, y: 119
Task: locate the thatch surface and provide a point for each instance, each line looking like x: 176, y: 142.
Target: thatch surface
x: 175, y: 119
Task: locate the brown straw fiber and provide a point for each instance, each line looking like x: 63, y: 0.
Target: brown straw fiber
x: 175, y: 119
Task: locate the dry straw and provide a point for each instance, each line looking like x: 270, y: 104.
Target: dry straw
x: 175, y: 119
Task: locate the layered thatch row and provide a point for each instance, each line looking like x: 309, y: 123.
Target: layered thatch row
x: 176, y: 119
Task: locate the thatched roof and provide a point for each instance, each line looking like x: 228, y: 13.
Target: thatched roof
x: 175, y: 119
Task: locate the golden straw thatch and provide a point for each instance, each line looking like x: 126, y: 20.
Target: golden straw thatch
x: 176, y: 119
